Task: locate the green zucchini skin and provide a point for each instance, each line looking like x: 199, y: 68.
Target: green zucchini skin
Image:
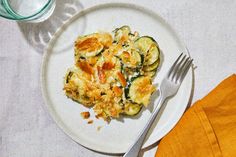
x: 118, y: 32
x: 132, y: 109
x: 68, y: 76
x: 149, y: 48
x: 152, y: 67
x: 134, y: 55
x: 126, y: 90
x: 147, y: 37
x: 137, y: 96
x: 152, y: 73
x: 123, y: 28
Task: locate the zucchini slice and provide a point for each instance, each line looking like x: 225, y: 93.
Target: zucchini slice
x: 143, y: 44
x: 152, y: 67
x: 132, y: 109
x: 129, y: 82
x: 152, y: 56
x: 88, y: 46
x: 133, y: 36
x: 122, y: 31
x: 140, y: 90
x: 150, y: 74
x: 149, y: 48
x: 136, y: 58
x: 74, y: 87
x: 131, y: 59
x: 72, y: 76
x: 131, y: 73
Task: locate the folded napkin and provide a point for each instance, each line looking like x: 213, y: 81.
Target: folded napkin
x: 207, y: 129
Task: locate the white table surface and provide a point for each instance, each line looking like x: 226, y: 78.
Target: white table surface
x: 208, y: 28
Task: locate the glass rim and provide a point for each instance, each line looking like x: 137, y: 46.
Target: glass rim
x: 15, y: 16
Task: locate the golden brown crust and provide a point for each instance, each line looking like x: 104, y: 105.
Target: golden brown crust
x: 121, y: 79
x: 89, y: 44
x: 98, y: 80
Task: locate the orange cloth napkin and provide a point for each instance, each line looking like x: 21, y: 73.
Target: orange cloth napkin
x: 207, y: 129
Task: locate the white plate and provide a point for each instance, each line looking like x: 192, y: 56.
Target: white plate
x: 117, y: 136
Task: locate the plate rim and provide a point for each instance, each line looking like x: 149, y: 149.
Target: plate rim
x: 48, y: 48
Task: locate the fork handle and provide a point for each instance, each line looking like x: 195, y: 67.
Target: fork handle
x: 136, y: 147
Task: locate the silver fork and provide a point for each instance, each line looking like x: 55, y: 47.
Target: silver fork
x: 168, y: 88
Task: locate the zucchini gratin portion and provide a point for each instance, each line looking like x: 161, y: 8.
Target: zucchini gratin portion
x: 113, y: 72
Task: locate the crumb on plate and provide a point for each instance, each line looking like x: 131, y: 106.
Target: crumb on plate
x: 90, y: 121
x: 99, y: 128
x: 85, y: 115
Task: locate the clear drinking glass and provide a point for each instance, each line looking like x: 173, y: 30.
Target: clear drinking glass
x: 27, y: 10
x: 38, y: 20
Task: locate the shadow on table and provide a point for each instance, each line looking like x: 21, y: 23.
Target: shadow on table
x: 39, y: 34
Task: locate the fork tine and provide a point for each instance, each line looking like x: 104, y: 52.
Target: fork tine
x: 182, y: 68
x: 173, y: 66
x: 177, y: 68
x: 184, y: 72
